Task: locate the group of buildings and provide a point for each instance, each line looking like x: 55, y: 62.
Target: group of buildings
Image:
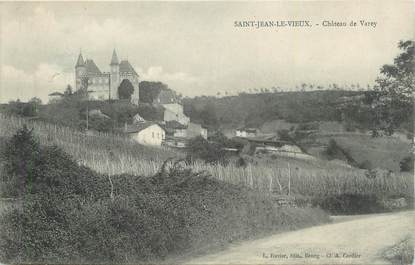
x: 173, y: 130
x: 104, y: 85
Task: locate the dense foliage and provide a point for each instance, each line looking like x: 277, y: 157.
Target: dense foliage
x: 125, y: 89
x: 390, y: 105
x: 253, y: 110
x: 149, y: 90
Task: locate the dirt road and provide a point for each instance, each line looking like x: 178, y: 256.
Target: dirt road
x: 349, y: 240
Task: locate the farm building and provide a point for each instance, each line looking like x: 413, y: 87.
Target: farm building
x: 146, y: 133
x: 175, y: 129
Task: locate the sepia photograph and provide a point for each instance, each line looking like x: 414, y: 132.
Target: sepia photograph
x: 207, y: 132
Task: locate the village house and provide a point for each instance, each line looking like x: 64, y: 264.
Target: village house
x: 175, y: 134
x: 246, y: 132
x: 175, y: 129
x: 174, y: 112
x: 146, y: 133
x: 178, y: 134
x: 138, y: 119
x: 270, y: 144
x: 55, y: 97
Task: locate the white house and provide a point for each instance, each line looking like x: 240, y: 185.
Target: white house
x: 146, y: 133
x: 246, y: 132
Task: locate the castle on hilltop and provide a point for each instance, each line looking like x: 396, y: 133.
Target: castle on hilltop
x: 104, y: 85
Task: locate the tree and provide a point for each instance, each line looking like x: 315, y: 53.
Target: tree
x: 407, y: 164
x: 199, y: 148
x: 208, y: 115
x: 68, y: 91
x: 125, y: 90
x: 392, y: 97
x: 150, y: 90
x: 35, y: 100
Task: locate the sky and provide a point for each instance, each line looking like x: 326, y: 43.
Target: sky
x: 194, y: 47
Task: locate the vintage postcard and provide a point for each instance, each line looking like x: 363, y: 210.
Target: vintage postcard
x: 218, y: 132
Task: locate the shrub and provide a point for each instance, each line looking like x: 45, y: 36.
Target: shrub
x: 210, y: 152
x: 407, y: 164
x: 365, y: 165
x: 32, y: 168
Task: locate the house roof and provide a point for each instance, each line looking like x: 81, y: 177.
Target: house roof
x: 80, y: 61
x: 91, y: 67
x: 138, y: 118
x: 125, y: 67
x: 133, y: 128
x: 56, y: 94
x: 114, y: 59
x: 174, y: 125
x: 251, y: 130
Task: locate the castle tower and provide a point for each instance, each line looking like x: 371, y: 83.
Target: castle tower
x: 114, y: 75
x: 80, y: 71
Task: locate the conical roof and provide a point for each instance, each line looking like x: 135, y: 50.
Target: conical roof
x: 91, y: 67
x: 126, y: 67
x: 114, y: 59
x: 80, y: 61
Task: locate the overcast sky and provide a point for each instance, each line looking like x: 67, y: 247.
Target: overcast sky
x: 194, y: 46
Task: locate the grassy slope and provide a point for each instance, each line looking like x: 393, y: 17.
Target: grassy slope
x: 70, y: 213
x: 382, y: 152
x: 115, y: 155
x: 105, y: 153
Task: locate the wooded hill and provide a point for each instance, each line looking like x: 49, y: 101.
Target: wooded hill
x: 253, y: 110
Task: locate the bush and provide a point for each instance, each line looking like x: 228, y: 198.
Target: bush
x: 365, y: 165
x: 350, y: 204
x: 32, y: 168
x: 200, y: 148
x: 407, y: 164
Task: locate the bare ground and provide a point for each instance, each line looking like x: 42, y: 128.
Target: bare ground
x: 348, y: 240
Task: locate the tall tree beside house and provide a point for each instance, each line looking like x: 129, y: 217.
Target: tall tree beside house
x: 150, y: 90
x: 392, y: 97
x: 125, y: 90
x: 208, y: 115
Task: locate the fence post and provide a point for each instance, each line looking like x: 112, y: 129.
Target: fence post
x: 289, y: 179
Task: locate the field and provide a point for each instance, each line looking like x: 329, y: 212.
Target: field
x: 113, y: 155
